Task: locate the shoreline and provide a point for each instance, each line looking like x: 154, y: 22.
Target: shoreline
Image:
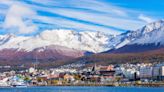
x: 111, y: 85
x: 88, y: 86
x: 96, y: 85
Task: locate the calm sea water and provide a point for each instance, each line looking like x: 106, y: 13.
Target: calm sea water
x: 82, y: 89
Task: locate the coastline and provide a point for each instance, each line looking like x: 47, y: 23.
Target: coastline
x: 147, y: 85
x: 111, y: 85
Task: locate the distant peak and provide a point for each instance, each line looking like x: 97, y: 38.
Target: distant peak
x: 157, y: 22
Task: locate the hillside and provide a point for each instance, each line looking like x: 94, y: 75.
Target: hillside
x: 120, y: 58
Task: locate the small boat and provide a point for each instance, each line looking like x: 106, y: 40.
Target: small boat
x: 18, y: 82
x: 19, y: 86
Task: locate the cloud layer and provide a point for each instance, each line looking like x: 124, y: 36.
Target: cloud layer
x: 33, y: 16
x: 145, y: 18
x: 16, y: 18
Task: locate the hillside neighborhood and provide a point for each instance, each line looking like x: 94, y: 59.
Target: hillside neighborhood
x: 96, y: 75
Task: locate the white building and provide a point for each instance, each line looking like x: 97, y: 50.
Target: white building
x: 31, y: 70
x: 128, y: 73
x: 158, y: 72
x: 146, y: 72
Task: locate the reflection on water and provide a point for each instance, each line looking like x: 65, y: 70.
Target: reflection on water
x: 82, y: 89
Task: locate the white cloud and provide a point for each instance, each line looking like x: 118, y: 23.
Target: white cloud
x: 7, y: 2
x: 93, y: 5
x: 59, y: 22
x: 103, y: 19
x: 92, y: 15
x: 16, y: 18
x: 145, y: 18
x: 99, y: 13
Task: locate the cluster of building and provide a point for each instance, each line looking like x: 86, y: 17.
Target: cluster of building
x: 123, y: 73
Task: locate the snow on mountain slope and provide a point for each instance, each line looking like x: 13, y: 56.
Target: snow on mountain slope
x: 59, y: 51
x: 151, y: 33
x: 85, y: 41
x: 150, y: 37
x: 11, y: 41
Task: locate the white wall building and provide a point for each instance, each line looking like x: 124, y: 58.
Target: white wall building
x: 146, y: 72
x: 158, y: 71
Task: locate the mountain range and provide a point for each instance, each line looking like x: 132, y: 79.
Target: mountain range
x: 52, y: 45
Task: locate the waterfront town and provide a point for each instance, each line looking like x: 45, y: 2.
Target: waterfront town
x: 97, y: 75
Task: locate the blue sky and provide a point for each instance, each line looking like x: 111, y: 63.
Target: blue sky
x: 29, y: 17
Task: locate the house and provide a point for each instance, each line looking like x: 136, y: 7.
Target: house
x: 146, y: 72
x: 107, y: 73
x: 69, y: 78
x: 158, y: 72
x: 32, y: 70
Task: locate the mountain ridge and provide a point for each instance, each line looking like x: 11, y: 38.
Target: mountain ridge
x: 53, y: 45
x: 86, y: 41
x: 149, y: 37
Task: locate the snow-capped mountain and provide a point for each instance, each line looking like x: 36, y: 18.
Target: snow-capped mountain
x: 84, y: 41
x: 149, y: 37
x: 71, y: 44
x: 151, y: 33
x: 52, y: 45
